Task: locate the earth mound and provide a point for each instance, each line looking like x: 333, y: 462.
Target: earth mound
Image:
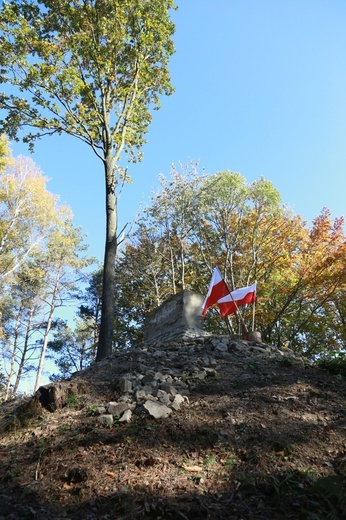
x: 256, y: 433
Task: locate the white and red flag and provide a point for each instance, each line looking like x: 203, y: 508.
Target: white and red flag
x: 230, y: 302
x: 217, y: 289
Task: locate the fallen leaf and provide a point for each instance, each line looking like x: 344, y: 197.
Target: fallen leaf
x: 192, y: 469
x: 67, y: 486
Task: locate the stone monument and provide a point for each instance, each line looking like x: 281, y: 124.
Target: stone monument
x: 178, y: 317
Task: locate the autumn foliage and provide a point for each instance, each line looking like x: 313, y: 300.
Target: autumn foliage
x: 197, y: 222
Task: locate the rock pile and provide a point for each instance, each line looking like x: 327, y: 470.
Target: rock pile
x: 157, y: 378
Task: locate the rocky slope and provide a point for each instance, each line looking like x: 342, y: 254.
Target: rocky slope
x: 201, y: 428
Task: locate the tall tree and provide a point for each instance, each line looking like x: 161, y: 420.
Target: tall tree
x: 21, y: 323
x: 27, y: 212
x: 90, y: 308
x: 5, y: 153
x: 73, y: 347
x: 173, y: 211
x: 307, y: 297
x: 92, y: 69
x: 61, y: 263
x: 249, y: 233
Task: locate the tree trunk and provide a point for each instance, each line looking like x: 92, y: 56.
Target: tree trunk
x: 25, y: 350
x: 108, y: 287
x: 48, y: 329
x: 14, y: 353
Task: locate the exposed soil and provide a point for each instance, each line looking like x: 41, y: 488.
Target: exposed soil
x: 264, y: 439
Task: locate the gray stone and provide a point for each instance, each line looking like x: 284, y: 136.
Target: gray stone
x: 125, y: 385
x: 234, y: 347
x: 157, y: 410
x: 159, y: 376
x: 221, y: 348
x: 211, y: 372
x: 106, y: 419
x: 126, y: 417
x: 183, y: 391
x: 178, y: 400
x: 200, y: 375
x: 164, y: 398
x: 141, y: 395
x: 117, y: 408
x: 147, y: 379
x: 148, y: 388
x: 310, y: 417
x: 260, y: 350
x: 170, y: 389
x: 160, y: 393
x: 98, y: 410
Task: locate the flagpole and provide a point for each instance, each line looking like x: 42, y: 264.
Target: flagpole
x: 253, y: 311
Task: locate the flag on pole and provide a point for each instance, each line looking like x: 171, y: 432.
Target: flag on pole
x: 217, y: 289
x: 230, y: 302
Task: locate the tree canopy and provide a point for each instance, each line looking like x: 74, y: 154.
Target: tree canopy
x: 92, y: 69
x: 196, y: 222
x: 42, y: 262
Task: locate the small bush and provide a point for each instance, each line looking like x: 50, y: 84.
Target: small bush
x: 335, y: 365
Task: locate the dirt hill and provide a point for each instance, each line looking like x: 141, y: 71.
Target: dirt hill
x: 256, y: 434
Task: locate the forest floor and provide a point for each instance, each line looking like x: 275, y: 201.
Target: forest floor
x: 264, y: 441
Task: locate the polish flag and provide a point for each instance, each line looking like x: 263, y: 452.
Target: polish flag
x: 229, y: 303
x: 217, y: 289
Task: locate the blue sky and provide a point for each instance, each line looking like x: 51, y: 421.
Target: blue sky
x: 260, y: 89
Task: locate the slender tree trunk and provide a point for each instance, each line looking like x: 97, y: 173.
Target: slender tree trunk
x: 97, y: 321
x: 13, y: 356
x: 171, y: 253
x: 73, y: 361
x: 44, y: 349
x: 25, y: 350
x: 157, y: 289
x: 48, y: 329
x: 182, y: 260
x: 81, y: 359
x: 96, y: 333
x: 108, y: 286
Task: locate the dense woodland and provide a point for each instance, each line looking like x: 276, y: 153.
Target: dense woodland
x: 94, y: 71
x: 193, y: 223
